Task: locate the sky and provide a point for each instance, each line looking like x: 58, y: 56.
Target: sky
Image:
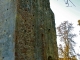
x: 71, y: 14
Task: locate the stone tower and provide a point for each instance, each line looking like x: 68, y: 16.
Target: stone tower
x: 28, y: 32
x: 35, y: 31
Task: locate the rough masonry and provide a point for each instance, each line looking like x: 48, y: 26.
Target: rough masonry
x: 35, y: 31
x: 27, y: 30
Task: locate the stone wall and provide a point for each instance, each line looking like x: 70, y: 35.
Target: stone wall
x: 35, y: 31
x: 7, y: 28
x: 28, y: 32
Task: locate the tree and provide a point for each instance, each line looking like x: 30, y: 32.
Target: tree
x: 66, y: 36
x: 79, y: 22
x: 68, y: 2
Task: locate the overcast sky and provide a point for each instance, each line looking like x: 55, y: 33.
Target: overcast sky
x: 72, y: 14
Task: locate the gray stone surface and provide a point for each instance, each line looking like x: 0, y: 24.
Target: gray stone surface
x: 7, y: 26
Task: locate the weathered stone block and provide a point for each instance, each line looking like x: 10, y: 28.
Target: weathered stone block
x: 7, y: 29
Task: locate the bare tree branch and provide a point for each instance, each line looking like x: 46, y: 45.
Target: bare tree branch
x: 67, y: 2
x: 64, y: 32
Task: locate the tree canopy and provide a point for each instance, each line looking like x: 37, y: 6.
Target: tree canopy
x: 66, y: 36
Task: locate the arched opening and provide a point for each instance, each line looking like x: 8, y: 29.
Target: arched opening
x: 50, y: 58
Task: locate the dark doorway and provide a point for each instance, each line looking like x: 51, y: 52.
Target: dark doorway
x: 50, y: 58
